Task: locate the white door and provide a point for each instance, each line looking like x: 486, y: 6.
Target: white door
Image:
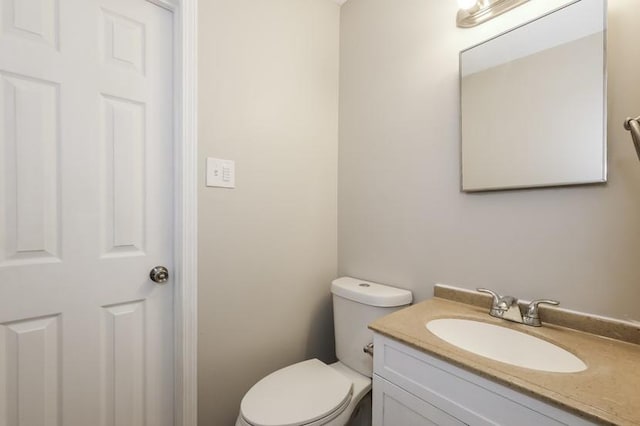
x: 86, y: 184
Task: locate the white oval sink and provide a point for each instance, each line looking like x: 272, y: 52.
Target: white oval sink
x: 506, y: 345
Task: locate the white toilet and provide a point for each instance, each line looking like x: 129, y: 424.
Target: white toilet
x: 312, y: 393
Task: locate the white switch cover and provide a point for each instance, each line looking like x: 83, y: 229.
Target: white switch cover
x: 221, y: 173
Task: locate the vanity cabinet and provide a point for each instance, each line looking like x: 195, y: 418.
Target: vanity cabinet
x: 411, y: 388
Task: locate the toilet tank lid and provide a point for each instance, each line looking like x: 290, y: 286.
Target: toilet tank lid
x: 370, y: 293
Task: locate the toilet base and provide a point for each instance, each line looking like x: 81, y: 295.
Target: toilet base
x: 362, y: 414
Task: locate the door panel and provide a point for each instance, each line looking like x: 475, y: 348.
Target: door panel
x: 29, y: 214
x: 86, y: 143
x: 123, y: 176
x: 33, y: 20
x: 30, y: 372
x: 123, y: 364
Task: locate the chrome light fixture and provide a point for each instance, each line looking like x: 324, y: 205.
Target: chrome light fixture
x: 475, y: 12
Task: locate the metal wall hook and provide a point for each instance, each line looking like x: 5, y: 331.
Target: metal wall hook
x: 633, y: 125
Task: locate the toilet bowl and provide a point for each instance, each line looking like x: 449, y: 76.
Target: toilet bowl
x: 312, y: 393
x: 309, y: 393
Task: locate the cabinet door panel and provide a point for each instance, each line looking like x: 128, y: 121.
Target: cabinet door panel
x: 394, y: 406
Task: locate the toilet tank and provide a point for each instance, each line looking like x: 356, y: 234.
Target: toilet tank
x: 356, y: 304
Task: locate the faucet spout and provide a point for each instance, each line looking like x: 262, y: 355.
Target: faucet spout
x: 512, y: 311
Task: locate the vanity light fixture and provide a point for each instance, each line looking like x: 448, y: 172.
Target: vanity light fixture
x: 475, y: 12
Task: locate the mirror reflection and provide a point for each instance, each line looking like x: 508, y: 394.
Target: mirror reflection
x: 533, y: 103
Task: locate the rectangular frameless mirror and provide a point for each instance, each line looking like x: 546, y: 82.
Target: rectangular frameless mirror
x: 533, y: 103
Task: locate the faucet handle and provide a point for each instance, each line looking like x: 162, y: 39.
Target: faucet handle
x: 496, y: 296
x: 533, y: 306
x: 532, y: 317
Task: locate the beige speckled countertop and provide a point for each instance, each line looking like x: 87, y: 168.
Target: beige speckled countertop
x: 608, y: 392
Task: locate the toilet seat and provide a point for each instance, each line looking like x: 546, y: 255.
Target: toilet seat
x: 306, y: 393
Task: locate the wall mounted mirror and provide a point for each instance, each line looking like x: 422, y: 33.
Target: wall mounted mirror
x: 533, y: 103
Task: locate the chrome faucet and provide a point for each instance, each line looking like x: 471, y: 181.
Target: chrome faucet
x: 531, y: 317
x: 507, y: 307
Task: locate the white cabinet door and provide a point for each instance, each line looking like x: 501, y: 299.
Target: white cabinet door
x: 85, y: 212
x: 462, y: 395
x: 393, y: 406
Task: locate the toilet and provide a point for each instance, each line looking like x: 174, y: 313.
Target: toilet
x: 313, y: 393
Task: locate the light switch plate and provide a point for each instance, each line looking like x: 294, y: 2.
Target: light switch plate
x: 221, y: 173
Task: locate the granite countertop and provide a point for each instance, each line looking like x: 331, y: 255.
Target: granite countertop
x: 606, y: 392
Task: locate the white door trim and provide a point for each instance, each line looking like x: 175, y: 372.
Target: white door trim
x: 186, y: 241
x: 186, y: 208
x: 186, y: 229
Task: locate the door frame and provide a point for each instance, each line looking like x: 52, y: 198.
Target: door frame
x: 185, y: 305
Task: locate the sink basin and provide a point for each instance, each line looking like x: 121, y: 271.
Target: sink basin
x: 506, y: 345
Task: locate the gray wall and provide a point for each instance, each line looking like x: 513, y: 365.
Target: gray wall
x: 402, y: 218
x: 269, y: 100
